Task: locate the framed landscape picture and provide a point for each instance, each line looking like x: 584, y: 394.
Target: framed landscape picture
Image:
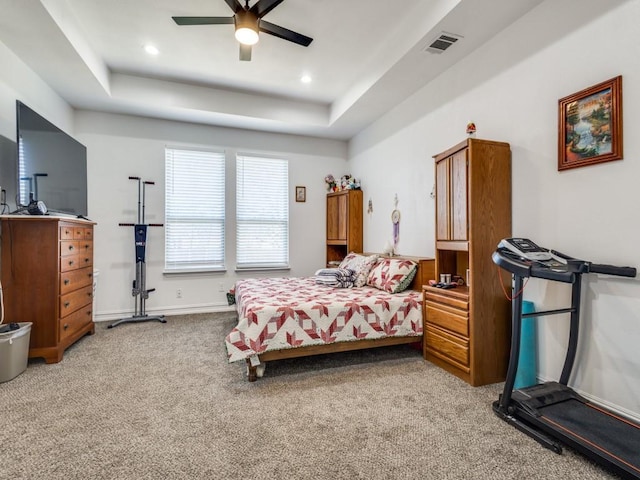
x: 590, y: 125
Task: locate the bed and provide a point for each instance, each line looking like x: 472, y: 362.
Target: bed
x: 292, y: 317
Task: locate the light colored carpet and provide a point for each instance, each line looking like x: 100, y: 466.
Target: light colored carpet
x: 160, y: 401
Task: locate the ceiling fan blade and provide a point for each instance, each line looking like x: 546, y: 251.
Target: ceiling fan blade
x: 284, y: 33
x: 203, y: 20
x: 245, y: 52
x: 235, y: 5
x: 263, y: 7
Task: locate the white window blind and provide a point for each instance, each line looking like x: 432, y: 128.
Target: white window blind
x: 262, y: 212
x: 194, y: 210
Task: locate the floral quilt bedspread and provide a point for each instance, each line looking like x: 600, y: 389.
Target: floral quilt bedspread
x: 279, y: 313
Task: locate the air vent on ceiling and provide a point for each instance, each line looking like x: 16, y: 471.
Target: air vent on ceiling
x: 443, y: 41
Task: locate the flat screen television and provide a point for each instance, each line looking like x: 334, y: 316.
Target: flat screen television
x: 51, y: 165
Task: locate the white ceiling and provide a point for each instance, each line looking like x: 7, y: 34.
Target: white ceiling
x: 366, y: 56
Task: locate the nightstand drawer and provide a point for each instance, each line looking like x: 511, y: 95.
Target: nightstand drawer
x: 450, y: 348
x: 447, y: 317
x: 457, y: 301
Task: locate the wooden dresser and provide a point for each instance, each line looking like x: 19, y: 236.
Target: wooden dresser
x: 467, y: 329
x: 47, y: 279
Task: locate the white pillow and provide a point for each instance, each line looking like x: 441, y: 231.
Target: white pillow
x: 361, y: 265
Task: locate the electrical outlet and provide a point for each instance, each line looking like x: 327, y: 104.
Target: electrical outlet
x: 221, y: 287
x: 179, y: 293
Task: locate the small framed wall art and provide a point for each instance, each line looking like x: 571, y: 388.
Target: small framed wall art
x: 590, y: 125
x: 301, y: 194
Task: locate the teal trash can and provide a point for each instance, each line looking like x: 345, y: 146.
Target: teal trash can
x: 527, y: 360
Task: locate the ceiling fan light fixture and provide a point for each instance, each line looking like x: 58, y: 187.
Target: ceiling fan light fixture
x: 246, y: 36
x: 246, y: 27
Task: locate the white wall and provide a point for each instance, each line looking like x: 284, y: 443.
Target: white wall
x: 18, y: 82
x: 120, y: 146
x: 510, y: 88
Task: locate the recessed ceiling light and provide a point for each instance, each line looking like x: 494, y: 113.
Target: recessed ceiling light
x: 151, y: 50
x: 305, y: 78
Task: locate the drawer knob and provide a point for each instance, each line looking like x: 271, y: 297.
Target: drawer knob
x: 66, y: 281
x: 70, y: 262
x: 66, y: 304
x: 70, y: 247
x: 86, y: 260
x: 89, y: 294
x: 66, y: 326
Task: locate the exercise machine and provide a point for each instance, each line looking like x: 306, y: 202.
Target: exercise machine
x: 139, y: 289
x: 552, y: 413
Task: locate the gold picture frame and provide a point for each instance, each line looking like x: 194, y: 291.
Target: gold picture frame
x: 590, y: 125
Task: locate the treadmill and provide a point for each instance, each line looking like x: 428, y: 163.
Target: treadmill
x: 552, y: 413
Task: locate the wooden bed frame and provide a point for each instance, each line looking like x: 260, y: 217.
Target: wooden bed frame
x: 425, y: 272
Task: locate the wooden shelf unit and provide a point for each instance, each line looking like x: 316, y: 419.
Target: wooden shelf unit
x: 47, y: 279
x: 344, y: 224
x: 467, y: 329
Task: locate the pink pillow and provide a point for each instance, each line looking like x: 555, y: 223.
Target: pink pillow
x: 392, y: 275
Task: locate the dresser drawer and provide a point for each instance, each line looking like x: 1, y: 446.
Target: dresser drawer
x: 73, y: 301
x: 448, y: 347
x: 73, y: 262
x: 66, y: 232
x: 85, y: 247
x: 68, y: 247
x: 74, y: 279
x: 73, y: 322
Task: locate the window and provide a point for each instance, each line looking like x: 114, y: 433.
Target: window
x: 262, y: 212
x: 194, y: 210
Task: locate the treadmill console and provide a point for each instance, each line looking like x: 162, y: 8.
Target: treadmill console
x: 525, y: 248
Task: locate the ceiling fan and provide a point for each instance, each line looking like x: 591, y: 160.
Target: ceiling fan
x: 248, y: 22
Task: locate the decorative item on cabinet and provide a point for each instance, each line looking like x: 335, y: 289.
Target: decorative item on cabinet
x: 467, y: 328
x: 47, y: 278
x: 471, y: 129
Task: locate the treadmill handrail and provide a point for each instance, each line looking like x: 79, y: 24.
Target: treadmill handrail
x: 612, y: 270
x: 600, y: 268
